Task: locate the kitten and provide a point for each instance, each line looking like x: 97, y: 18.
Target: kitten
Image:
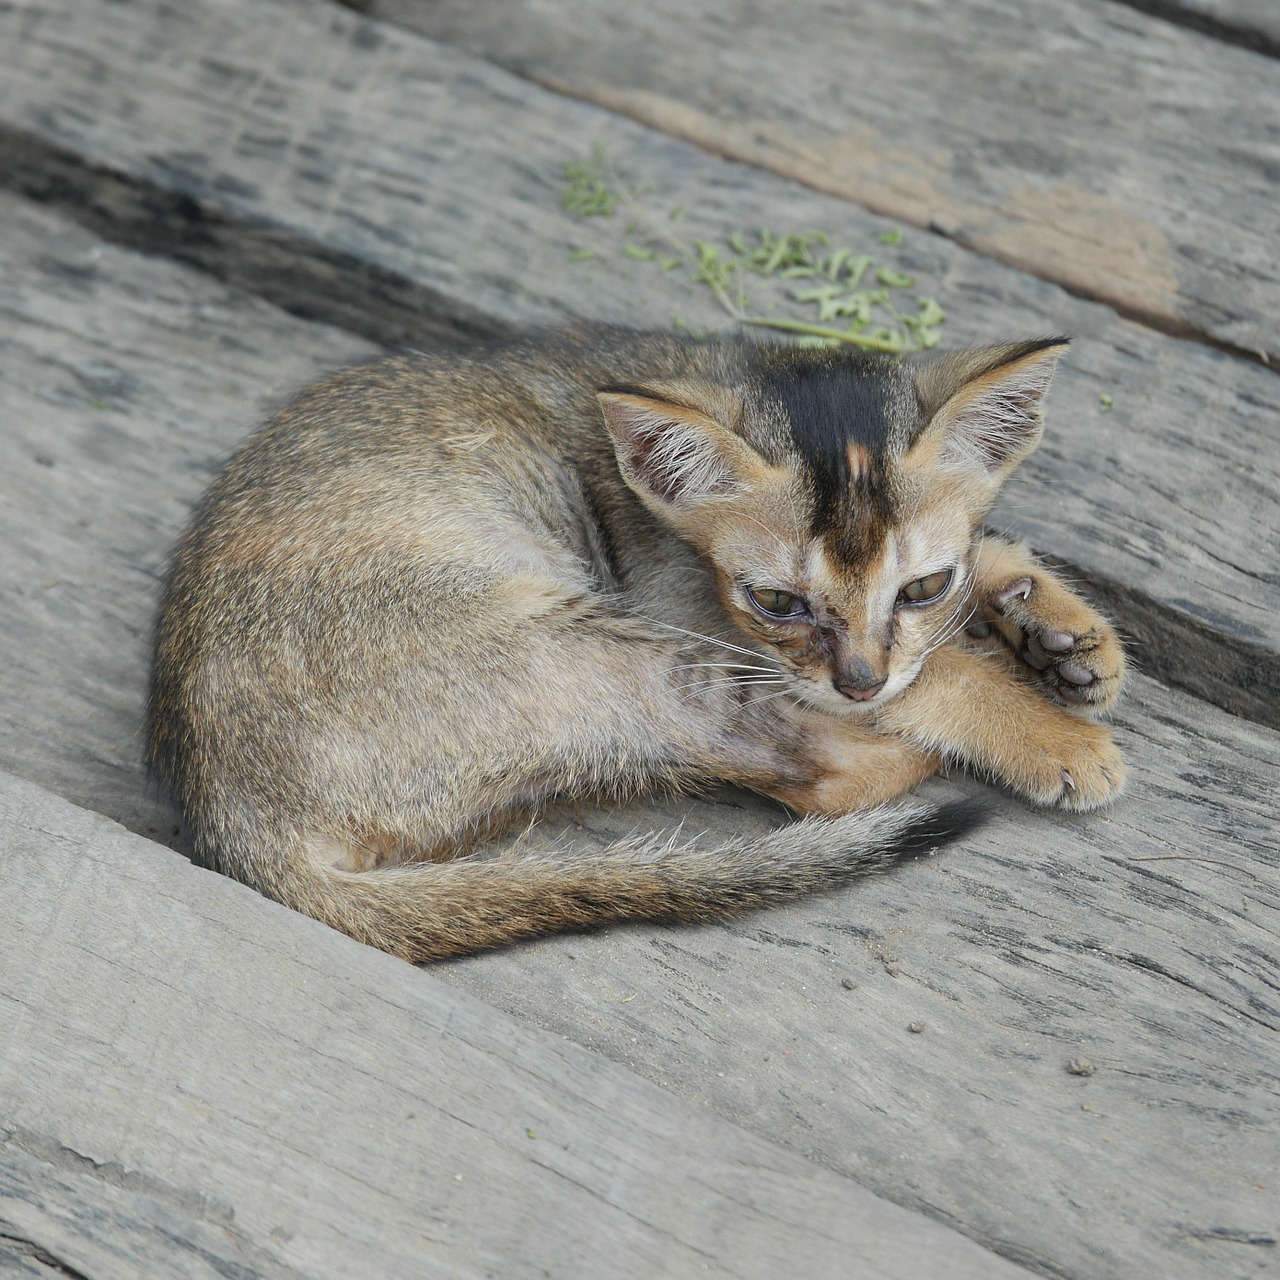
x: 433, y: 593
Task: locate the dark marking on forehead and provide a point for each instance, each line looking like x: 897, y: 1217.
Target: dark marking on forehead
x: 840, y: 409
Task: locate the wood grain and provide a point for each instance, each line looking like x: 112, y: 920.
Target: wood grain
x: 64, y: 1215
x: 1088, y: 143
x: 404, y: 161
x: 1040, y: 940
x: 1249, y: 24
x: 124, y: 381
x: 922, y: 1032
x: 217, y: 1086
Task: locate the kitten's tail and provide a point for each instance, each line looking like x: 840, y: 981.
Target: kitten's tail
x: 430, y: 911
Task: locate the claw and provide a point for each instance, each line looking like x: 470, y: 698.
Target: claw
x: 1068, y: 781
x: 1019, y: 587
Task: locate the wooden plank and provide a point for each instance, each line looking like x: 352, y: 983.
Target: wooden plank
x: 1088, y: 143
x: 416, y: 165
x: 233, y: 1067
x: 124, y: 382
x: 1038, y: 941
x: 926, y: 1032
x: 64, y: 1215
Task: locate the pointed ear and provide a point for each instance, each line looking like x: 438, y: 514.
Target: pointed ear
x: 674, y: 456
x: 986, y: 407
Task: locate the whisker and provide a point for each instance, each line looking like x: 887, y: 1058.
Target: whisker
x: 729, y: 682
x: 697, y: 635
x: 733, y: 666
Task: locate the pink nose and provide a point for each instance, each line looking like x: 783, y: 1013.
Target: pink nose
x: 863, y: 694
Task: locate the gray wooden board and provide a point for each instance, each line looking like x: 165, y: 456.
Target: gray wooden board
x: 1251, y: 24
x: 219, y: 1086
x: 1036, y: 941
x: 1087, y: 143
x: 124, y: 381
x: 62, y: 1214
x: 1040, y: 941
x: 437, y: 168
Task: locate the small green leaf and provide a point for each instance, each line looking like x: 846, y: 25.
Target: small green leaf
x: 835, y: 263
x: 890, y: 339
x: 856, y: 269
x: 677, y: 213
x: 582, y: 255
x: 639, y: 253
x: 894, y: 279
x: 529, y: 1133
x: 893, y: 236
x: 587, y: 193
x: 1106, y: 402
x: 669, y: 264
x: 931, y: 315
x: 99, y: 404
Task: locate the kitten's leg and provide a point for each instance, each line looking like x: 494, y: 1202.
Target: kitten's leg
x: 1055, y: 633
x: 859, y: 768
x: 557, y: 699
x: 701, y: 728
x: 981, y: 709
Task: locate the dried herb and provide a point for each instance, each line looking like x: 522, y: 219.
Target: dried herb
x: 831, y: 282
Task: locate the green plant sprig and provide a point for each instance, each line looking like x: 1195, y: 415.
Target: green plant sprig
x: 836, y: 278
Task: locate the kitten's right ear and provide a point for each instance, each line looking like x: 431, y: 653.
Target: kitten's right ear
x: 675, y: 457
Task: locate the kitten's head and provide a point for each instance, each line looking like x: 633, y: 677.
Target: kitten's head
x: 836, y: 497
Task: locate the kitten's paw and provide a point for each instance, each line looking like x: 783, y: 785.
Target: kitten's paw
x: 1079, y: 768
x: 1073, y: 648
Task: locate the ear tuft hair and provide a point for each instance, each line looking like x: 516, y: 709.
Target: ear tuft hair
x: 669, y: 452
x: 988, y: 404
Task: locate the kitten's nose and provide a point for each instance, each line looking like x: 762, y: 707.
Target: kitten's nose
x: 859, y: 683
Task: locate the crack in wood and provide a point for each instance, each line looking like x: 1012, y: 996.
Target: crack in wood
x: 1182, y: 651
x: 1193, y: 17
x: 22, y: 1246
x: 301, y: 276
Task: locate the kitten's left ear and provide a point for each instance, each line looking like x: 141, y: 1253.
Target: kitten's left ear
x: 673, y: 456
x: 985, y: 408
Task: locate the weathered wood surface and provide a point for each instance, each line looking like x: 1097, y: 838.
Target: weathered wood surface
x: 63, y: 1214
x: 192, y: 1062
x: 1087, y: 143
x: 1251, y: 24
x: 216, y: 130
x: 124, y: 382
x: 1037, y: 941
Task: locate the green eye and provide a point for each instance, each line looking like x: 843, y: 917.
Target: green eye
x: 777, y: 604
x: 926, y: 590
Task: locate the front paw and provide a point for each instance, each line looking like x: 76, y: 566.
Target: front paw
x: 1074, y: 650
x: 1076, y: 766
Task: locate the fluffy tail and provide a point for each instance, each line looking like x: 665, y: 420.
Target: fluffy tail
x: 430, y: 911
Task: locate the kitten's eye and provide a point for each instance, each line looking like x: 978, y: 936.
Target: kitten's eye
x: 926, y: 590
x: 777, y: 604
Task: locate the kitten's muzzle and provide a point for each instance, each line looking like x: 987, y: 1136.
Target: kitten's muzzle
x: 859, y: 682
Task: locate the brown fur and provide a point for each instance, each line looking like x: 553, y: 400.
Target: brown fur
x: 430, y: 595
